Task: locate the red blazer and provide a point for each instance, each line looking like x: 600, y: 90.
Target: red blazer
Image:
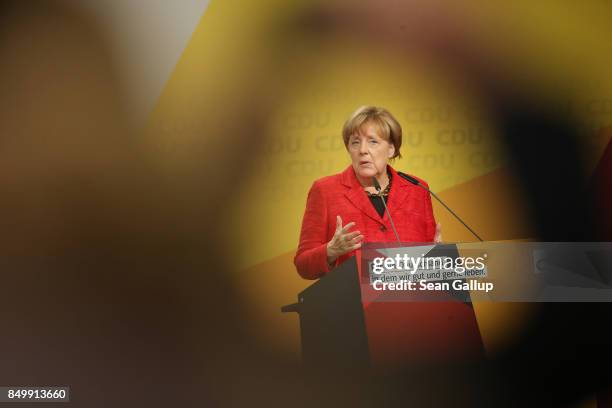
x: 341, y: 194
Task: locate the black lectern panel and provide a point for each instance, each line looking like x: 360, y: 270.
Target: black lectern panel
x: 332, y: 321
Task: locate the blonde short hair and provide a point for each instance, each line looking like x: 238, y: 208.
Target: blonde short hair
x: 389, y: 128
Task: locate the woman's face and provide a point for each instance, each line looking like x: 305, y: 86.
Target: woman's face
x: 369, y: 152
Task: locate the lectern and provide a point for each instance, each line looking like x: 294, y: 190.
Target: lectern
x: 344, y: 323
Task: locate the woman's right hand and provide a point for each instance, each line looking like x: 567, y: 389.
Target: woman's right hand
x: 343, y: 241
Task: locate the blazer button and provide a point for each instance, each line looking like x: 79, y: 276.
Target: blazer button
x: 383, y: 228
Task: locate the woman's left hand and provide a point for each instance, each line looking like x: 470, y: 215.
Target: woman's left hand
x: 438, y: 235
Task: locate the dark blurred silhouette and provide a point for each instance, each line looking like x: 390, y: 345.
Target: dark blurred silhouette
x: 112, y: 282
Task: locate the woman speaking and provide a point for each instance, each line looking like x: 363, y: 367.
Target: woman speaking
x: 347, y: 209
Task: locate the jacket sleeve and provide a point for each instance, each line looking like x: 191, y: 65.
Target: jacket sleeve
x: 311, y: 257
x: 429, y: 215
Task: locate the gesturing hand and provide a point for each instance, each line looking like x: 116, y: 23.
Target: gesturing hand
x: 343, y: 241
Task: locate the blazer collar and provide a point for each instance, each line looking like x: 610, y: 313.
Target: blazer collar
x: 400, y: 190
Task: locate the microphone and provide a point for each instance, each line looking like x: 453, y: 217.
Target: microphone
x: 378, y: 188
x: 418, y: 183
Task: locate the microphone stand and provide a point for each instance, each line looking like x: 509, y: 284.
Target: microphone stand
x: 378, y: 188
x: 418, y: 183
